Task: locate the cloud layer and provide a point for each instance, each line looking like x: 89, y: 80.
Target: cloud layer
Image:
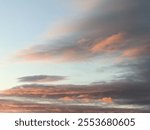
x: 132, y: 97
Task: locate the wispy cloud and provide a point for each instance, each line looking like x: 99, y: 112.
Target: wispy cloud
x: 41, y: 78
x: 108, y: 43
x: 143, y: 50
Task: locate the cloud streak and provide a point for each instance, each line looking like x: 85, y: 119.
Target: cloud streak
x: 107, y: 43
x: 41, y: 78
x: 137, y: 52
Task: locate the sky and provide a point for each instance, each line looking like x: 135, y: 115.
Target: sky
x: 81, y: 53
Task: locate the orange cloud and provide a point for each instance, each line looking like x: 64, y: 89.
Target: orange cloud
x: 136, y: 52
x: 42, y: 91
x: 11, y: 106
x: 110, y: 41
x: 106, y: 100
x: 32, y: 55
x: 79, y: 51
x: 56, y: 55
x: 66, y: 99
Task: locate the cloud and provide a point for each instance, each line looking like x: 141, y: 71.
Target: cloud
x: 31, y: 54
x: 86, y: 5
x: 137, y: 52
x: 41, y: 78
x: 66, y: 99
x: 134, y: 65
x: 106, y: 43
x: 100, y: 32
x: 137, y: 70
x: 116, y: 94
x: 82, y: 50
x: 116, y: 25
x: 106, y: 100
x: 57, y: 54
x: 10, y: 106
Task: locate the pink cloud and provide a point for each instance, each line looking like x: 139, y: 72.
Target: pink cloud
x: 32, y: 55
x: 137, y: 51
x: 67, y: 99
x: 109, y: 41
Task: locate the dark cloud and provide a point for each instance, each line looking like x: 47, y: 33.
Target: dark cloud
x: 135, y: 70
x: 41, y: 78
x: 109, y: 96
